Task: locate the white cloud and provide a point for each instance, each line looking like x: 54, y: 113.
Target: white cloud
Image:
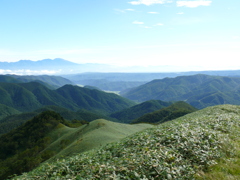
x: 130, y: 9
x: 29, y: 72
x: 119, y: 10
x: 193, y: 4
x: 149, y: 2
x: 123, y: 10
x: 138, y: 22
x: 159, y: 24
x: 153, y: 12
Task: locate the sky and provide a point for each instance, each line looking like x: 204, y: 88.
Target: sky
x: 191, y: 34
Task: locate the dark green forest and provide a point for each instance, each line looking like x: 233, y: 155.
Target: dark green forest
x: 171, y: 112
x: 21, y: 148
x: 129, y: 114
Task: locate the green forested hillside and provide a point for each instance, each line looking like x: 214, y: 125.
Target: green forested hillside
x: 201, y: 145
x: 173, y: 111
x: 198, y: 90
x: 13, y: 121
x: 47, y: 136
x: 54, y: 81
x: 134, y: 112
x: 46, y: 96
x: 26, y: 97
x: 17, y: 97
x: 20, y: 149
x: 7, y: 111
x: 94, y: 100
x: 21, y: 101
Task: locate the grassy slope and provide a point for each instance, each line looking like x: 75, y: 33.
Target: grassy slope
x: 95, y: 134
x: 202, y: 145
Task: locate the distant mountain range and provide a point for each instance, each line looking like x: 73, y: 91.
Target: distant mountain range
x: 49, y: 66
x: 62, y: 66
x: 198, y: 90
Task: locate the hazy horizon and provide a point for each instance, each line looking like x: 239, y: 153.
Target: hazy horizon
x: 192, y: 35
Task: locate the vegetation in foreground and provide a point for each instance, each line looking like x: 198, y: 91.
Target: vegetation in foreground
x: 186, y: 148
x: 48, y: 135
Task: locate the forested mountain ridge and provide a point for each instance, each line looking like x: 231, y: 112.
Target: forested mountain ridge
x: 27, y: 97
x: 198, y: 90
x: 168, y: 113
x: 9, y: 79
x: 92, y: 99
x: 52, y: 81
x: 134, y: 112
x: 7, y: 111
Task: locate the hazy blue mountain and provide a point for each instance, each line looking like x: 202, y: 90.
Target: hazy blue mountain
x: 107, y: 85
x: 131, y: 73
x: 33, y: 65
x: 50, y: 66
x: 8, y: 79
x: 116, y: 81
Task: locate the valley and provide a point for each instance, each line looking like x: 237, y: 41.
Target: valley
x: 47, y: 120
x: 120, y: 90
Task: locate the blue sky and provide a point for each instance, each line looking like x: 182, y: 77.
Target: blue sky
x: 191, y: 34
